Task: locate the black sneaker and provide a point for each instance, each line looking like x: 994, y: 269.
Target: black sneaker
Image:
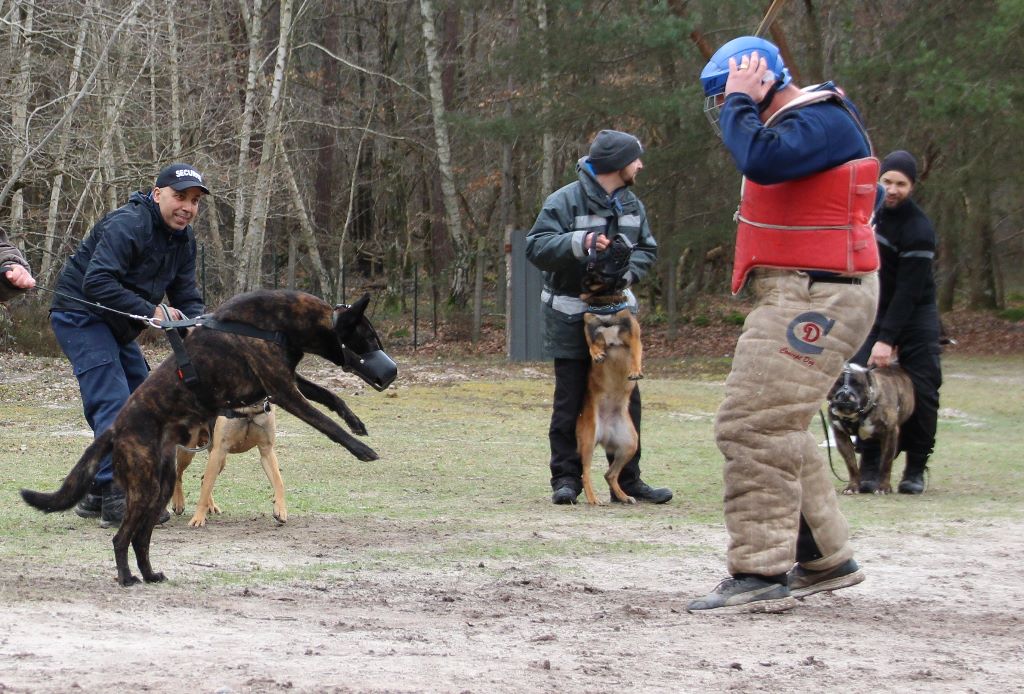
x: 743, y: 595
x: 564, y: 495
x: 912, y: 483
x: 90, y: 506
x: 641, y: 491
x: 803, y: 582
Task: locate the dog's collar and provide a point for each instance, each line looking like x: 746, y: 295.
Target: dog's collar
x: 607, y: 304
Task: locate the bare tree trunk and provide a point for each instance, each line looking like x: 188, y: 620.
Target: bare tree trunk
x: 460, y: 274
x: 243, y: 179
x: 56, y: 187
x: 547, y: 167
x: 21, y: 43
x: 305, y: 223
x: 293, y: 252
x: 252, y: 252
x: 172, y: 50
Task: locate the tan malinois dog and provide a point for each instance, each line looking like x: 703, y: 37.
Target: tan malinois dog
x: 236, y: 431
x: 616, y: 354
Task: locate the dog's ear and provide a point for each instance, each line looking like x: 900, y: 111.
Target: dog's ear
x: 351, y: 316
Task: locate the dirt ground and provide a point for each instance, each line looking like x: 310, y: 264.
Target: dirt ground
x: 940, y: 611
x: 937, y: 614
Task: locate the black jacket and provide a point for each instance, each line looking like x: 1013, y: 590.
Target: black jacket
x: 906, y: 244
x: 128, y: 262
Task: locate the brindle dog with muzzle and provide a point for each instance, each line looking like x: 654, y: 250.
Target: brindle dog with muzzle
x: 871, y: 404
x: 270, y: 333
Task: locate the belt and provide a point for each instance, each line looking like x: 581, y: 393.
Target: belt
x: 836, y: 280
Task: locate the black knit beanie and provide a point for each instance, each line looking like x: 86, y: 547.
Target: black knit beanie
x: 901, y: 161
x: 612, y: 150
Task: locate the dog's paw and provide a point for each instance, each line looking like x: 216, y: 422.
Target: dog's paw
x: 635, y: 377
x: 127, y: 580
x: 364, y: 453
x: 198, y: 521
x: 156, y: 577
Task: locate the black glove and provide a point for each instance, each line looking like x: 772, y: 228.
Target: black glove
x: 611, y: 265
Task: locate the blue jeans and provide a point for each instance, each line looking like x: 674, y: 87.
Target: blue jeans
x: 107, y: 372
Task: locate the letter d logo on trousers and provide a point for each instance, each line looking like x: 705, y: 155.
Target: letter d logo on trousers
x: 806, y: 330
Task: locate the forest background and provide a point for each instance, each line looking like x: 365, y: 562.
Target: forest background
x: 392, y: 143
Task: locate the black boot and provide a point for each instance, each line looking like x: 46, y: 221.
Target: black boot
x: 870, y: 470
x: 913, y: 473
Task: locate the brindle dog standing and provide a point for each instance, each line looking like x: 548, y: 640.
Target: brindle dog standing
x: 616, y: 353
x: 233, y: 369
x: 238, y: 431
x: 871, y: 404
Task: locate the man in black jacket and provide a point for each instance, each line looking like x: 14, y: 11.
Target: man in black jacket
x: 907, y: 323
x: 582, y: 216
x: 130, y: 260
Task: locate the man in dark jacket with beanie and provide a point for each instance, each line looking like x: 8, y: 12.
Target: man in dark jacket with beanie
x: 907, y: 324
x: 130, y: 260
x: 588, y: 214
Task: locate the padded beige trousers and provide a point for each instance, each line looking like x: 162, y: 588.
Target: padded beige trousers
x: 791, y: 351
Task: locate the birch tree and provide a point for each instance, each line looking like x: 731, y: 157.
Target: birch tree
x: 252, y: 250
x: 460, y: 274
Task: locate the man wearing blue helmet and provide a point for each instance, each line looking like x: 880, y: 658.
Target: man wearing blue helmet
x: 805, y: 247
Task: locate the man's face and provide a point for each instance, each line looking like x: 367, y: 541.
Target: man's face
x: 897, y: 188
x: 629, y: 173
x: 177, y: 207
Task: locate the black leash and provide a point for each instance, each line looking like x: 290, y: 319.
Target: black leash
x: 148, y: 320
x: 828, y: 445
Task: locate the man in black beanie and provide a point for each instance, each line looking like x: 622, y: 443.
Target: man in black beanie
x: 587, y: 214
x: 907, y: 323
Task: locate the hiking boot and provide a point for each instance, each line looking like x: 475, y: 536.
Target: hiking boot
x: 564, y: 495
x: 90, y: 506
x: 804, y: 582
x: 740, y: 595
x: 641, y: 491
x: 113, y: 511
x: 913, y: 474
x: 113, y: 508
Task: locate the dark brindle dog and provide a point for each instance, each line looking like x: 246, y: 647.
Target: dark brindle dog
x: 871, y: 404
x: 233, y: 370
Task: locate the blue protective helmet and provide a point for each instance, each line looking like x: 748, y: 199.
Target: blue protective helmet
x: 716, y: 72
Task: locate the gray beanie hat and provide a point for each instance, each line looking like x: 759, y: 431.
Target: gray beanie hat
x: 902, y: 161
x: 612, y: 150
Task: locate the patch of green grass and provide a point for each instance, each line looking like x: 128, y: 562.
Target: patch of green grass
x: 1014, y: 313
x: 464, y: 469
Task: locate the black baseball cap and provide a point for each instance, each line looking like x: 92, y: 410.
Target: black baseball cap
x: 180, y: 177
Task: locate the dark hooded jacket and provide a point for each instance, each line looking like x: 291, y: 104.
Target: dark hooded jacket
x: 129, y: 261
x: 555, y: 245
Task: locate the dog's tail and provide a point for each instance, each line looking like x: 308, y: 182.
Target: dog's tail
x: 78, y: 481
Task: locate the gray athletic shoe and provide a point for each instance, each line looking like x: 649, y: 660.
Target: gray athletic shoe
x: 803, y: 582
x: 742, y: 595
